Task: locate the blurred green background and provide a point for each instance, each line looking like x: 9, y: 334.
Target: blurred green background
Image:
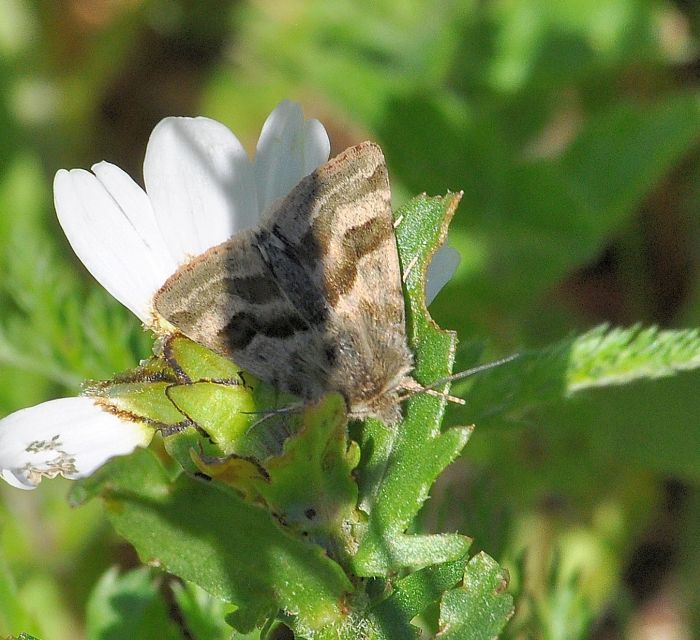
x: 572, y: 127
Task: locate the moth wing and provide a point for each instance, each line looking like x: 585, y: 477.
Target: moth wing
x: 311, y: 301
x: 331, y: 246
x: 334, y: 235
x: 228, y: 300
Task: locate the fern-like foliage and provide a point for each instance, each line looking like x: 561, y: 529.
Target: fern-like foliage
x: 608, y: 356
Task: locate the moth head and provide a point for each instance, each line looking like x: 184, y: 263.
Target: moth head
x: 409, y: 387
x: 386, y: 408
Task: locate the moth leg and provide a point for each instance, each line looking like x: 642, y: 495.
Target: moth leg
x: 412, y: 388
x: 271, y: 413
x: 439, y: 394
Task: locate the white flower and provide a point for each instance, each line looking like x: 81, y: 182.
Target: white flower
x: 71, y: 437
x: 200, y: 189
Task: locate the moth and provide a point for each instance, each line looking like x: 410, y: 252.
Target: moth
x: 311, y: 300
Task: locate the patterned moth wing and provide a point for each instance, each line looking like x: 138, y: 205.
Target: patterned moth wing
x: 310, y: 301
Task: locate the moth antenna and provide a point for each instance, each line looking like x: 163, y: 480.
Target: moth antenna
x: 467, y: 373
x: 414, y: 388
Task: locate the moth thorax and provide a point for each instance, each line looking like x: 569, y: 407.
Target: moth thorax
x: 384, y: 407
x: 372, y: 389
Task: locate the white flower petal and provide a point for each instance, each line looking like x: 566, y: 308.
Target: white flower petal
x: 136, y: 206
x: 70, y: 437
x: 289, y: 148
x: 441, y: 269
x: 107, y: 223
x: 201, y: 184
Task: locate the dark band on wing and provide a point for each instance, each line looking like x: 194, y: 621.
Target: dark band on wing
x: 358, y: 241
x: 243, y: 327
x: 364, y: 238
x: 256, y: 289
x: 314, y: 244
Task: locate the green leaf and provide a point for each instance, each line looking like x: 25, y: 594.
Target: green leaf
x: 480, y: 608
x: 193, y: 362
x: 604, y: 356
x: 146, y: 402
x: 223, y: 410
x: 601, y: 357
x: 413, y: 594
x: 399, y: 466
x: 224, y: 401
x: 632, y: 392
x: 129, y: 606
x: 236, y: 551
x: 310, y: 486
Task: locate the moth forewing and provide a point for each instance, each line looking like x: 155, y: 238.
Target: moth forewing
x: 311, y: 301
